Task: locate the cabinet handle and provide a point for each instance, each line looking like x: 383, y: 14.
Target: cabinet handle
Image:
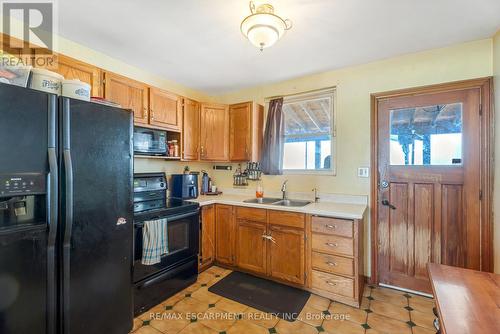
x: 333, y: 227
x: 333, y: 264
x: 268, y: 237
x: 331, y: 283
x: 332, y: 244
x: 202, y: 151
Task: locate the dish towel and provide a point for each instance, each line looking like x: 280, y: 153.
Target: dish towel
x: 154, y: 241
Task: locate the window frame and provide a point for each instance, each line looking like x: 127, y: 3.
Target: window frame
x: 320, y: 94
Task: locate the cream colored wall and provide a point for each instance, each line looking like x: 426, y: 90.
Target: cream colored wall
x: 101, y: 60
x: 354, y: 86
x: 496, y: 197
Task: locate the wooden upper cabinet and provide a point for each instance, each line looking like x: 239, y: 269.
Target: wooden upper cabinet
x: 224, y: 234
x: 245, y: 131
x: 214, y: 124
x: 165, y: 109
x: 130, y: 94
x: 191, y: 130
x: 72, y: 69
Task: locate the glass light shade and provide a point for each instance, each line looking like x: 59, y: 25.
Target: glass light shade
x: 263, y: 30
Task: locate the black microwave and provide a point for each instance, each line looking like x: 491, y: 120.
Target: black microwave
x: 150, y: 141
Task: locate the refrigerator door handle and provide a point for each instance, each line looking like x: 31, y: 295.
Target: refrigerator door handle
x: 68, y: 214
x: 52, y: 212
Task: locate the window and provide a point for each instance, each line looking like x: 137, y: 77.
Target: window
x: 430, y: 135
x: 309, y: 133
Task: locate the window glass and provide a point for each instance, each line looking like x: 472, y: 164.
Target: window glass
x: 429, y: 135
x: 308, y: 131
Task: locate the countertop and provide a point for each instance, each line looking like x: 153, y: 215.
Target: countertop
x: 327, y: 209
x: 467, y: 300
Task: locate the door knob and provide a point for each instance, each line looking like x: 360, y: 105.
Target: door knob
x: 386, y: 203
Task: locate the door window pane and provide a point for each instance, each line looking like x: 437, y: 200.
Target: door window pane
x: 426, y: 135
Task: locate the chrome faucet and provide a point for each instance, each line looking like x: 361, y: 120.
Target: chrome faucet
x: 283, y: 189
x: 316, y: 197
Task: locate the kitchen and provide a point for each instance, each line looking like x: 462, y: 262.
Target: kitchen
x: 244, y: 193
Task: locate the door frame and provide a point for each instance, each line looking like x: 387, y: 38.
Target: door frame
x: 485, y: 85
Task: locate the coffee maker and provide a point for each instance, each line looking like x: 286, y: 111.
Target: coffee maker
x: 184, y: 186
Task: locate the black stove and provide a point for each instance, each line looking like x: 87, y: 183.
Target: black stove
x: 150, y: 197
x: 171, y: 206
x: 179, y: 267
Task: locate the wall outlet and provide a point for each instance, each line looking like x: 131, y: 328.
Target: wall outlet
x: 364, y: 172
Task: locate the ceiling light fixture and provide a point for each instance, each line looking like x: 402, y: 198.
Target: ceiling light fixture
x: 263, y: 28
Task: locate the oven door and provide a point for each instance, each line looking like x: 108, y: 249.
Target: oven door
x: 183, y: 243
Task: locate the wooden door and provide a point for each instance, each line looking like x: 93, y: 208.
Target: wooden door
x: 130, y: 94
x: 191, y: 130
x: 286, y: 254
x: 224, y: 234
x: 429, y: 185
x: 240, y: 136
x: 207, y: 236
x: 251, y: 246
x: 72, y: 69
x: 165, y: 109
x: 214, y: 140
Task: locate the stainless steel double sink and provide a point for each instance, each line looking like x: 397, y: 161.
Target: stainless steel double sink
x: 278, y: 201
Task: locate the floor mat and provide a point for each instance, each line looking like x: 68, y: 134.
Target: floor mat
x: 281, y: 300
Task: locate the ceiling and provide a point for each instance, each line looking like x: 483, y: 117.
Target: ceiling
x: 198, y: 43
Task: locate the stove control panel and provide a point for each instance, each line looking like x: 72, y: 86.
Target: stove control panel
x: 22, y: 184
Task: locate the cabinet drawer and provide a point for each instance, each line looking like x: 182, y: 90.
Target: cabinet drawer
x: 333, y: 244
x: 332, y: 226
x: 333, y: 283
x: 258, y: 215
x: 333, y: 264
x: 284, y: 218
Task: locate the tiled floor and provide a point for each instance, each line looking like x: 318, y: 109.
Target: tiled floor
x: 198, y: 311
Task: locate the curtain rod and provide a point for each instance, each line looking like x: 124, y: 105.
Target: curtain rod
x: 301, y: 93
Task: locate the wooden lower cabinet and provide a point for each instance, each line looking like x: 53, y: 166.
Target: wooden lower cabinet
x: 320, y: 254
x: 335, y: 266
x: 264, y: 248
x: 251, y: 246
x: 207, y: 237
x: 224, y: 234
x: 287, y: 254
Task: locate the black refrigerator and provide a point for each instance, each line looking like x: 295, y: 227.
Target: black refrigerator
x: 66, y: 215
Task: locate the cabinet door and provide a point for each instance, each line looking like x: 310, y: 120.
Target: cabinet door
x: 129, y: 94
x: 165, y: 109
x: 214, y: 142
x: 286, y: 254
x: 224, y: 234
x: 72, y: 69
x: 191, y: 130
x: 251, y: 246
x: 240, y: 136
x: 207, y: 236
x: 15, y: 48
